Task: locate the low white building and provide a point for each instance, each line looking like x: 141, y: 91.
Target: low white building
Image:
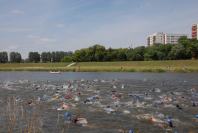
x: 164, y: 38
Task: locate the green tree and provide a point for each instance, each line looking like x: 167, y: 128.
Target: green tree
x: 15, y: 57
x: 3, y: 57
x: 46, y: 57
x: 194, y: 50
x: 34, y: 57
x: 79, y: 55
x: 178, y: 52
x: 129, y: 54
x: 157, y: 52
x: 96, y: 53
x: 67, y: 59
x: 93, y: 53
x: 59, y: 55
x: 138, y: 54
x: 184, y: 41
x: 121, y: 54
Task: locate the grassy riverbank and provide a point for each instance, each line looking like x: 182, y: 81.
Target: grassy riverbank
x: 126, y: 66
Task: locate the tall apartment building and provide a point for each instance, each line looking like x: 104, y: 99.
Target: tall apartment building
x: 163, y: 38
x: 195, y: 31
x: 156, y: 38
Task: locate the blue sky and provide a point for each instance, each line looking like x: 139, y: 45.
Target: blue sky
x: 54, y: 25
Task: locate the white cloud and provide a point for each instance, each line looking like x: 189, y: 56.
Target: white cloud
x: 17, y: 12
x: 39, y: 39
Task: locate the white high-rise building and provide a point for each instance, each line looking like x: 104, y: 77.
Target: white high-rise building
x: 156, y: 38
x: 164, y: 38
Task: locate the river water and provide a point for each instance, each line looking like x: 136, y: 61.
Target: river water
x: 110, y: 102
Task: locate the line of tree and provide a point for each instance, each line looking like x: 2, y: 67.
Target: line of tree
x: 44, y: 57
x: 185, y: 49
x: 15, y: 57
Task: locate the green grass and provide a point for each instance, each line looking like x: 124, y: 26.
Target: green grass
x: 125, y: 66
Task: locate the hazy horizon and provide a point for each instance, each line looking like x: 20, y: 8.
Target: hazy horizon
x: 67, y: 25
